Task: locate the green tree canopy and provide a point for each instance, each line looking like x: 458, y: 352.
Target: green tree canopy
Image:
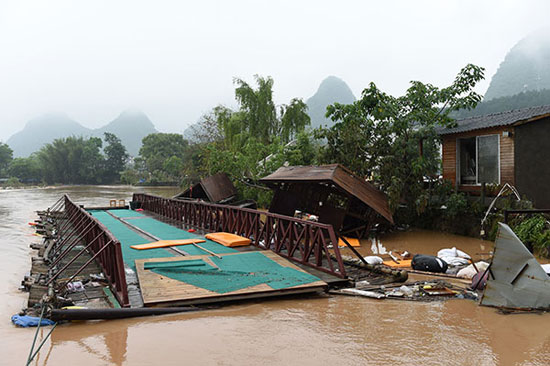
x: 6, y: 156
x: 72, y: 160
x: 26, y: 169
x: 380, y: 135
x: 116, y: 157
x: 157, y: 149
x: 258, y: 117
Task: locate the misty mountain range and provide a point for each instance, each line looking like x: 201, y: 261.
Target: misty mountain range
x: 131, y: 126
x: 522, y: 80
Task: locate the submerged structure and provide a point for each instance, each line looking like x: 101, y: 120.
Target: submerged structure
x: 216, y: 189
x: 157, y: 256
x: 163, y: 254
x: 331, y: 192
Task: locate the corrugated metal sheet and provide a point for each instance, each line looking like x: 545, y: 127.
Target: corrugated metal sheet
x: 507, y: 118
x: 339, y: 176
x: 519, y: 280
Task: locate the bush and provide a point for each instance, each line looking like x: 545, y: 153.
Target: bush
x: 13, y: 182
x: 457, y: 205
x: 534, y: 232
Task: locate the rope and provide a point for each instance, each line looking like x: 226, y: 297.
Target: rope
x: 36, y: 334
x: 32, y: 352
x: 42, y: 343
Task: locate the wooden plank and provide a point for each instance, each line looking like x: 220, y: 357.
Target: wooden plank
x: 166, y: 243
x: 157, y: 289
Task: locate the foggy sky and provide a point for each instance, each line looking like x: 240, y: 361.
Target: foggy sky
x: 176, y: 60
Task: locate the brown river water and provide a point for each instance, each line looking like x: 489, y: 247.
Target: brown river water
x: 299, y: 331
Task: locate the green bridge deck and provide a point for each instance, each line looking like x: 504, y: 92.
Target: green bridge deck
x: 242, y: 272
x: 129, y: 237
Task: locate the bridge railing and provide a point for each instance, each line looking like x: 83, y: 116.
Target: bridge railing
x: 104, y: 248
x: 310, y: 243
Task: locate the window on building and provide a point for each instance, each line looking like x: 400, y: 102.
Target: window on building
x: 479, y: 160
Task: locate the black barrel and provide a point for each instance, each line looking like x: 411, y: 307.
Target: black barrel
x: 99, y: 314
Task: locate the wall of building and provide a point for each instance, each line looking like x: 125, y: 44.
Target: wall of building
x: 507, y: 147
x: 532, y: 158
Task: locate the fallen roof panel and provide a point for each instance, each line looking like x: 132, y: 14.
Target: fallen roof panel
x: 217, y: 187
x: 516, y: 278
x: 339, y: 176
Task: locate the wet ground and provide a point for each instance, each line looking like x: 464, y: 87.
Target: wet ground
x: 328, y: 331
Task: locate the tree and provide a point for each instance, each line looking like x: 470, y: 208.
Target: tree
x: 294, y: 119
x: 258, y: 108
x: 212, y: 126
x: 72, y: 160
x: 27, y: 170
x: 303, y: 150
x: 258, y: 115
x: 173, y: 166
x: 157, y: 148
x: 381, y: 136
x: 116, y: 157
x: 6, y: 156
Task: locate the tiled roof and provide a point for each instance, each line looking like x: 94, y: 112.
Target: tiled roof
x: 497, y: 119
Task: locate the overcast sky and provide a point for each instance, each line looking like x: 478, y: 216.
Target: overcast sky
x: 175, y: 60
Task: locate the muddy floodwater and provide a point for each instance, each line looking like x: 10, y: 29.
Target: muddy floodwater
x: 319, y: 331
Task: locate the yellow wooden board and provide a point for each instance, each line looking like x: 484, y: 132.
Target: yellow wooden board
x: 228, y: 239
x: 166, y: 243
x: 353, y: 242
x: 405, y: 263
x: 158, y: 290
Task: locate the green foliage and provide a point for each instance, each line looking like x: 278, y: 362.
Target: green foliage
x: 162, y: 155
x: 258, y: 117
x: 258, y: 109
x: 457, y: 205
x: 302, y: 152
x: 6, y: 156
x: 294, y: 119
x: 27, y: 170
x: 381, y: 136
x: 129, y: 176
x: 534, y: 231
x: 13, y: 182
x: 251, y: 142
x: 72, y: 160
x: 115, y: 158
x: 173, y: 167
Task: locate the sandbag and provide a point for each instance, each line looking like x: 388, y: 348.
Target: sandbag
x: 453, y: 256
x: 373, y: 259
x: 429, y: 263
x: 469, y: 272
